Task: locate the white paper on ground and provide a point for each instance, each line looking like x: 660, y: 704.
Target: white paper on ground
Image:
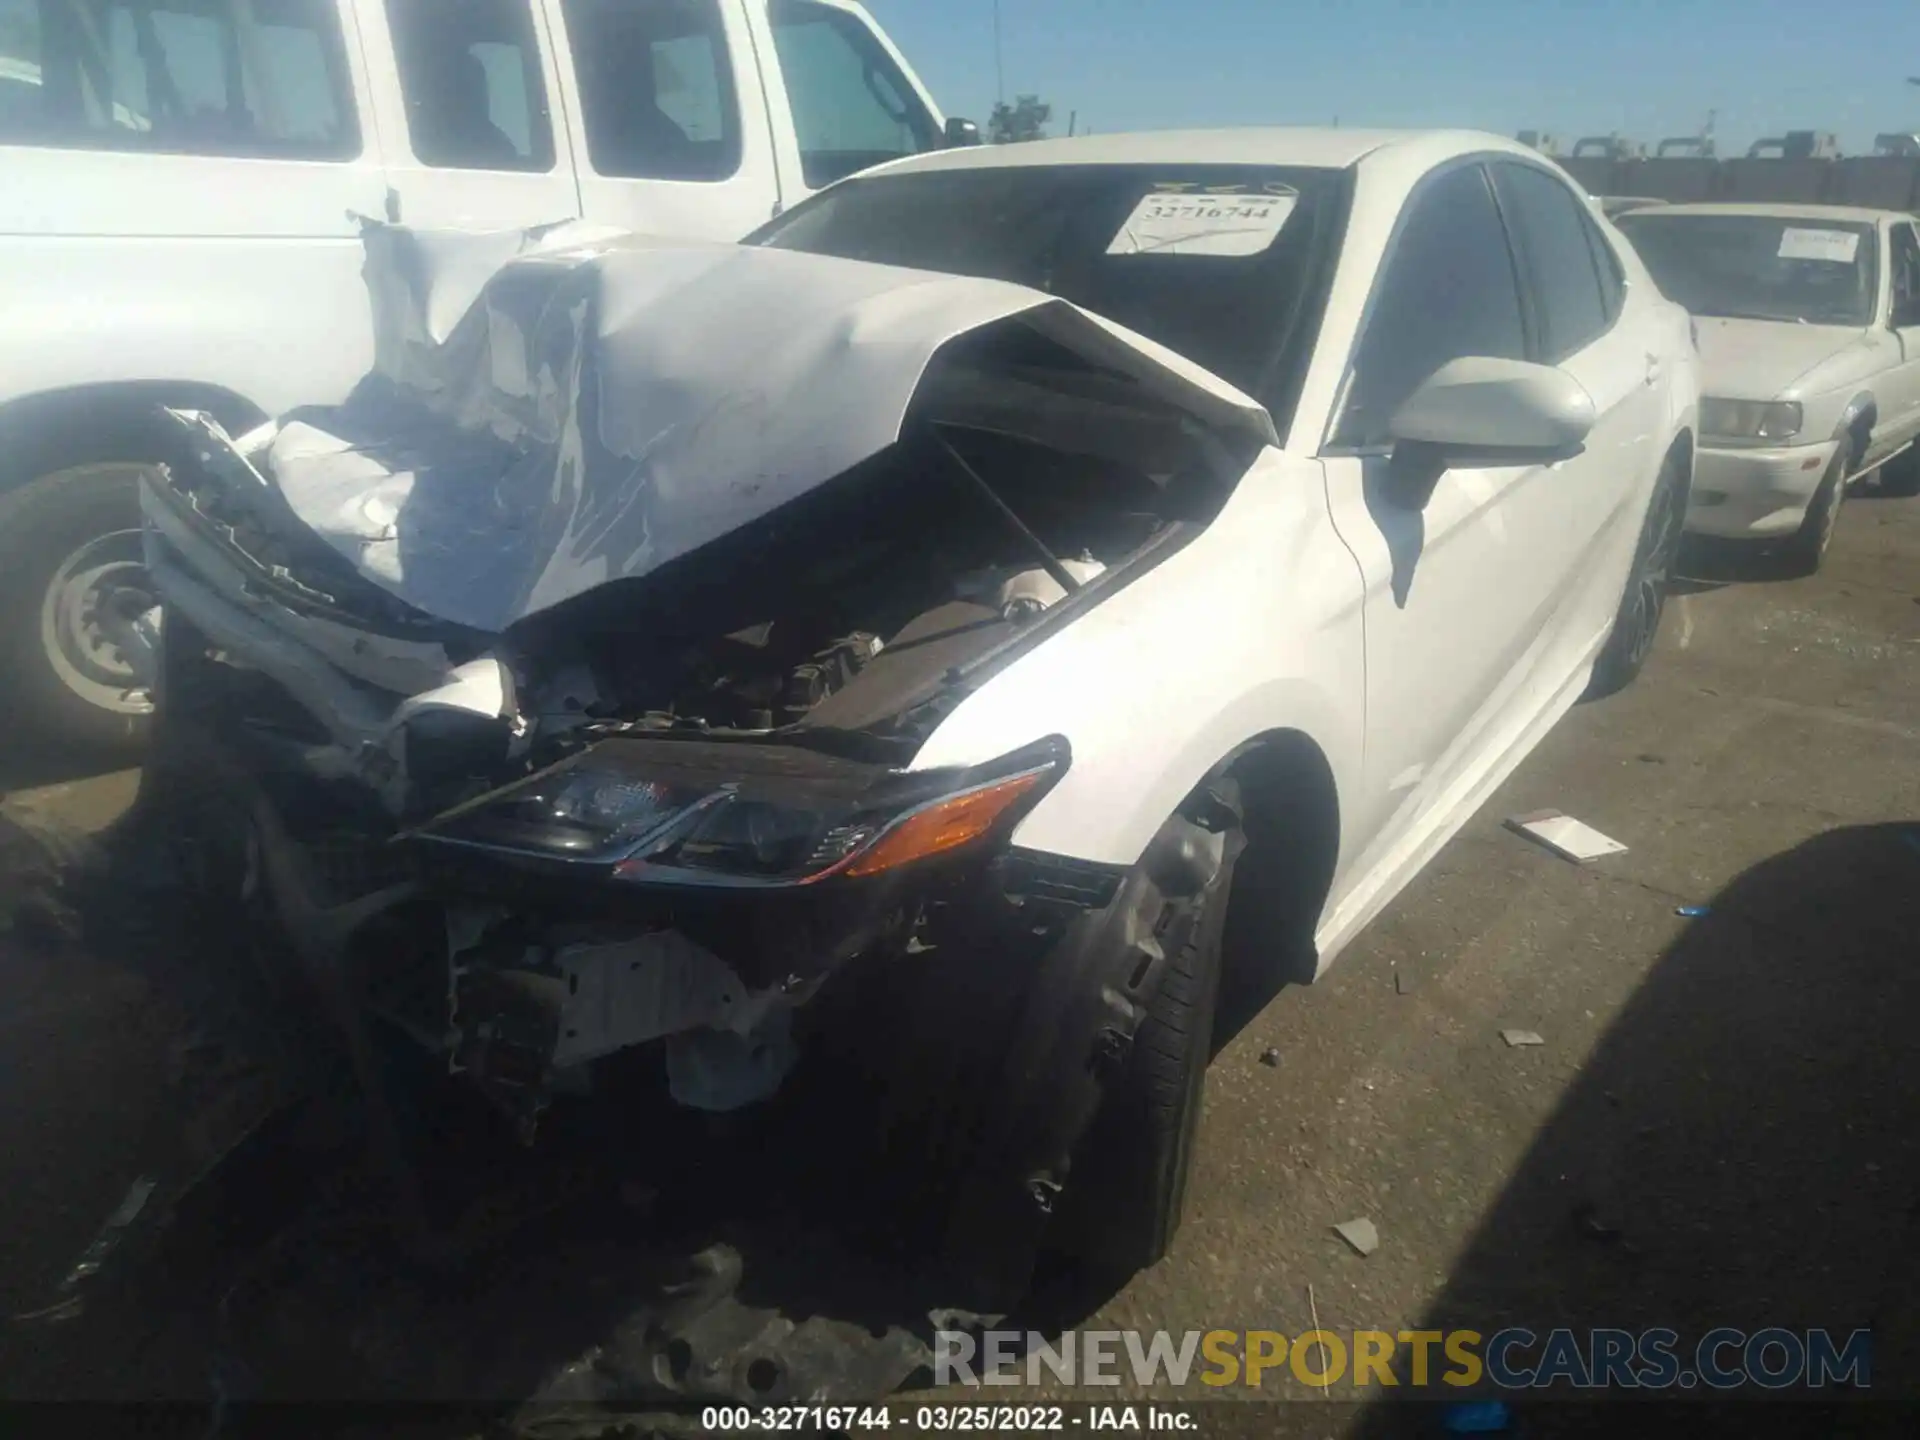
x: 1839, y: 246
x: 1171, y: 222
x: 1565, y: 835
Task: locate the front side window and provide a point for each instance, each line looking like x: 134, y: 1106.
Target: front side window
x: 852, y: 105
x: 1558, y: 258
x: 1447, y: 291
x: 1760, y: 267
x: 195, y: 77
x: 1212, y: 261
x: 470, y: 71
x: 656, y: 88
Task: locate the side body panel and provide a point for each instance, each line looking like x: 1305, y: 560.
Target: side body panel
x: 238, y: 272
x: 1254, y: 626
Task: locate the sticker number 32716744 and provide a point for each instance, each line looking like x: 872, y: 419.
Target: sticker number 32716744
x: 1168, y: 223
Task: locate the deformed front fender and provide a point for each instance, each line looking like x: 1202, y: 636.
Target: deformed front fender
x: 1252, y: 627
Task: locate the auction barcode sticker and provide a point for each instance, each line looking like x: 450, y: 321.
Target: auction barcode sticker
x: 1837, y: 245
x: 1198, y: 223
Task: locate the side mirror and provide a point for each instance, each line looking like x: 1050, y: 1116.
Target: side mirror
x: 1500, y: 411
x: 961, y: 132
x: 1480, y: 411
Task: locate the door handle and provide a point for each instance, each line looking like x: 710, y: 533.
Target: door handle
x: 1653, y: 369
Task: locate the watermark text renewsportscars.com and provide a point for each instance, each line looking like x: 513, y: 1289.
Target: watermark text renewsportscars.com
x: 1514, y: 1358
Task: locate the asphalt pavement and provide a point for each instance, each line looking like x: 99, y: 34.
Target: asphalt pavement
x: 1719, y: 1128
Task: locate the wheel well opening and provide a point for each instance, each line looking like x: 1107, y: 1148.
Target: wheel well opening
x: 1860, y: 432
x: 1681, y: 452
x: 1291, y: 819
x: 90, y: 424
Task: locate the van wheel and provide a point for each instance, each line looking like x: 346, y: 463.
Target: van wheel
x: 1128, y: 1186
x: 72, y: 584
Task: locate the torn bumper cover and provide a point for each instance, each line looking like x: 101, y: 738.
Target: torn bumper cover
x: 579, y: 660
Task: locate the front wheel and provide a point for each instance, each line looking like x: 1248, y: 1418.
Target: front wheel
x: 1128, y: 1186
x: 74, y: 595
x: 1637, y: 622
x: 1809, y: 545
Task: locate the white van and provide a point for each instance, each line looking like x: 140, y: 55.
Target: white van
x: 181, y: 184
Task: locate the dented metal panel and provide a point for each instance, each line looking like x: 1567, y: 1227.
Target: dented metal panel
x: 560, y: 409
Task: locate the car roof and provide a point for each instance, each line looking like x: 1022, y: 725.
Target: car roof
x: 1855, y: 214
x: 1317, y: 148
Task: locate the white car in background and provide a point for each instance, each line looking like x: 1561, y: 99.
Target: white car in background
x: 1028, y: 593
x: 1808, y: 322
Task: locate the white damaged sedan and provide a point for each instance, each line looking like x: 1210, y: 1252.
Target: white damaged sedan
x: 993, y: 629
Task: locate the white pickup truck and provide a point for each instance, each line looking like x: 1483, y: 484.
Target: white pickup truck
x: 179, y: 224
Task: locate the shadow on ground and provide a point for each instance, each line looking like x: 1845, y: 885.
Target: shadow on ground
x: 1742, y: 1150
x: 635, y: 1256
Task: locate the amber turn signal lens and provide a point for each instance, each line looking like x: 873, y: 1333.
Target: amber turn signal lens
x: 944, y: 825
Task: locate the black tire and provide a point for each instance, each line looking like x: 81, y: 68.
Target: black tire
x: 1128, y: 1187
x: 47, y: 526
x: 1899, y: 478
x: 1808, y: 546
x: 1644, y: 601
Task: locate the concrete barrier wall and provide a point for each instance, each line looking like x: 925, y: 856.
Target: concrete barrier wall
x: 1882, y: 182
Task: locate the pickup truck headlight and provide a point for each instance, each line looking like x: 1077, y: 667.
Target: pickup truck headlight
x: 632, y: 812
x: 1750, y: 419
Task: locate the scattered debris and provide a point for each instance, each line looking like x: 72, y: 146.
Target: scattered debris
x: 1270, y: 1056
x: 1565, y: 836
x: 1361, y: 1234
x: 1587, y: 1215
x: 1692, y: 912
x: 1313, y: 1312
x: 1476, y: 1417
x: 1402, y: 983
x: 1519, y: 1038
x: 96, y: 1255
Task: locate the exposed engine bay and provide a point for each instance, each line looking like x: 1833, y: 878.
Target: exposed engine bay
x: 575, y: 676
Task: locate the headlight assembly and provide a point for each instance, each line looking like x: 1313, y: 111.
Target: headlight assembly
x: 660, y: 812
x: 1750, y: 419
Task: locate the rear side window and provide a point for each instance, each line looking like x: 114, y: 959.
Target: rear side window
x: 1559, y: 260
x: 188, y: 77
x: 470, y: 70
x: 1906, y: 277
x: 852, y: 106
x: 1613, y: 280
x: 1447, y: 290
x: 656, y: 88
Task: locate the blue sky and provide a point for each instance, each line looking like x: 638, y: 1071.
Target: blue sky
x: 1570, y: 67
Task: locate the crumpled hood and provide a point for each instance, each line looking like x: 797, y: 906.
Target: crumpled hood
x: 556, y: 409
x: 1761, y: 359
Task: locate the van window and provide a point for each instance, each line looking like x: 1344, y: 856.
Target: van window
x: 196, y: 77
x: 852, y: 105
x: 471, y: 73
x: 656, y: 88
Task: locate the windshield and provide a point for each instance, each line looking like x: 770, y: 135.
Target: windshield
x: 1211, y: 261
x: 1760, y: 267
